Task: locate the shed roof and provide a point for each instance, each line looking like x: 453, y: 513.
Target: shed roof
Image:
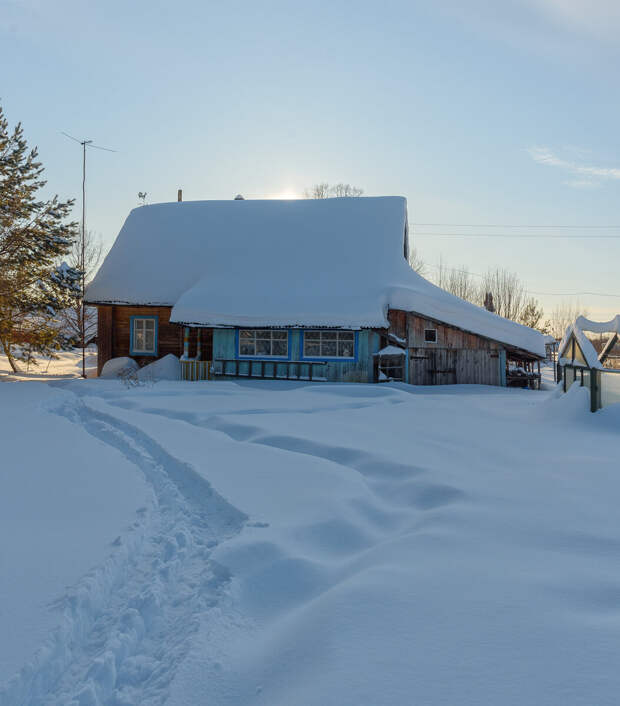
x: 301, y: 263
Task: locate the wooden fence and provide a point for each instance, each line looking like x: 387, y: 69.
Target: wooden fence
x: 195, y: 369
x: 603, y: 385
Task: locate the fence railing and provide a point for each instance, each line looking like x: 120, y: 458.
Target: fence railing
x: 604, y: 385
x: 269, y: 369
x: 195, y: 369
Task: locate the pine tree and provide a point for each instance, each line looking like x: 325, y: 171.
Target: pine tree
x: 34, y: 237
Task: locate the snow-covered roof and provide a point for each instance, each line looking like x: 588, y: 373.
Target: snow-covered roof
x: 312, y: 262
x: 577, y: 329
x: 391, y: 350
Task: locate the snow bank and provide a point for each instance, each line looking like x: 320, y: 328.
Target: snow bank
x: 115, y: 367
x: 314, y: 262
x: 166, y: 368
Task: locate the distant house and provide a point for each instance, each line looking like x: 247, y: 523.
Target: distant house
x: 304, y: 289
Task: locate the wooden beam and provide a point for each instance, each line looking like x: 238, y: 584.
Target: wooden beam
x: 608, y: 348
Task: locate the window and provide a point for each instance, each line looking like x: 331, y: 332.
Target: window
x: 263, y: 343
x: 329, y: 344
x: 143, y: 335
x: 430, y: 335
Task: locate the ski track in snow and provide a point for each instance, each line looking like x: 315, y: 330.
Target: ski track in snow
x: 124, y: 635
x: 397, y: 483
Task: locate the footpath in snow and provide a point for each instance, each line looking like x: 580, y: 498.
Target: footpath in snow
x: 279, y: 543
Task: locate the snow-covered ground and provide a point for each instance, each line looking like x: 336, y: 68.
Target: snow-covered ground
x: 68, y: 364
x: 280, y: 543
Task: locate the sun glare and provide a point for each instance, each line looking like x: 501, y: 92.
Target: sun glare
x: 287, y: 194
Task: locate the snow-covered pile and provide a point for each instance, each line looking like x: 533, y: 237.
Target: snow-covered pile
x: 118, y: 367
x: 166, y: 368
x: 315, y: 262
x: 308, y: 544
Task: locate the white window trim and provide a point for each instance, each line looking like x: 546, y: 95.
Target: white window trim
x: 259, y: 356
x: 306, y: 356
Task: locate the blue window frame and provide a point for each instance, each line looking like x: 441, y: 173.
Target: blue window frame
x: 143, y: 335
x: 271, y: 344
x: 329, y: 344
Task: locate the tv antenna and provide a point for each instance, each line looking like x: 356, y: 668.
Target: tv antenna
x: 85, y: 144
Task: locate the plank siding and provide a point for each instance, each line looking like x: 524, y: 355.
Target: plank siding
x: 457, y: 356
x: 104, y: 336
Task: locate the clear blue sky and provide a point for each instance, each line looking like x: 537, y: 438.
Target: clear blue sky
x: 498, y: 112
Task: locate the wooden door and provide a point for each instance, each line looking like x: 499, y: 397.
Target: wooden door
x: 420, y: 365
x: 444, y: 366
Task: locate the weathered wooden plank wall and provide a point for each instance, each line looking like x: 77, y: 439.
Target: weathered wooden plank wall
x: 447, y: 336
x: 456, y: 356
x: 104, y: 336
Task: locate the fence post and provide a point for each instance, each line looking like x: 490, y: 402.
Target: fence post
x: 593, y: 390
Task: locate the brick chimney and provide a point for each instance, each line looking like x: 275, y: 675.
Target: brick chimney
x: 180, y: 195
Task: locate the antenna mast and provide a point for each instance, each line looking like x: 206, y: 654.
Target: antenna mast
x: 82, y: 322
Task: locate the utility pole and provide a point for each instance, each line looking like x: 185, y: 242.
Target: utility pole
x: 83, y: 259
x: 82, y: 323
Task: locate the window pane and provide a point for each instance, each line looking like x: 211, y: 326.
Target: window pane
x: 329, y: 348
x: 262, y: 333
x: 312, y: 348
x: 329, y: 335
x: 149, y: 341
x: 279, y: 335
x: 149, y: 324
x: 246, y: 348
x: 279, y: 348
x: 263, y: 347
x: 138, y: 339
x: 312, y: 335
x: 246, y: 333
x: 345, y: 349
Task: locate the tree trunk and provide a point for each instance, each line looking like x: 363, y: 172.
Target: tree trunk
x: 7, y: 351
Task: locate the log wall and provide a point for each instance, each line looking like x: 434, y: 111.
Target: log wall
x: 113, y: 333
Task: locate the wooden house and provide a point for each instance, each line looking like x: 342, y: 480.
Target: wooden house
x: 303, y: 289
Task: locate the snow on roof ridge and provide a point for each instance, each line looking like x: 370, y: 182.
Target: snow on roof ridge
x: 611, y: 326
x: 577, y: 329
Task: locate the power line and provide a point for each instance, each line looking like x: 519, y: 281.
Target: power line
x: 533, y: 291
x: 538, y: 236
x: 499, y: 225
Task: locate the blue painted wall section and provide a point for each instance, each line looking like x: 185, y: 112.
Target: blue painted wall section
x: 360, y: 369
